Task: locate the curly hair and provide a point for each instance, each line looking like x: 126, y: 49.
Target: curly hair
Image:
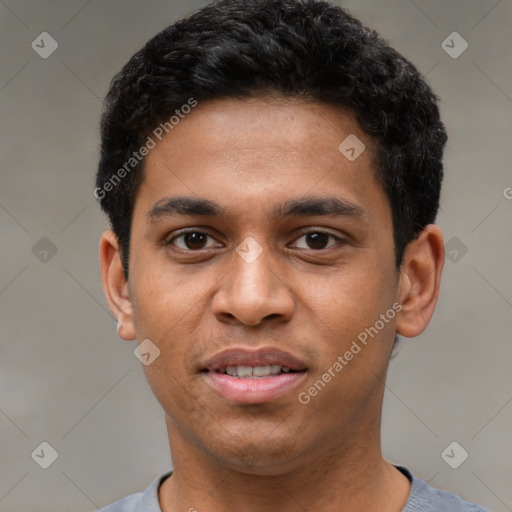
x: 305, y: 49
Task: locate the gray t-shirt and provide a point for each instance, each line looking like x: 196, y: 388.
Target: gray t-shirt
x: 422, y: 498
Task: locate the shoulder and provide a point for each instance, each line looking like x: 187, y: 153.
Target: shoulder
x: 127, y: 504
x: 146, y: 501
x: 424, y: 498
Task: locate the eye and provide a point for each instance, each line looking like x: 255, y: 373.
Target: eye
x: 318, y: 240
x: 191, y: 240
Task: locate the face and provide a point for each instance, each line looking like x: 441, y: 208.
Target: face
x: 258, y: 247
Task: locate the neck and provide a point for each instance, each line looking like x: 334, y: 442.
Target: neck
x: 352, y: 473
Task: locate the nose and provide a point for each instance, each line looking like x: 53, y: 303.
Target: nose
x: 253, y: 292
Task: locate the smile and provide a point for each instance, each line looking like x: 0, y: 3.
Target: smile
x: 244, y: 375
x: 256, y: 372
x: 253, y: 384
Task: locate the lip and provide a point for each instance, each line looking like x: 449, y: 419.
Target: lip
x: 253, y: 390
x: 253, y: 357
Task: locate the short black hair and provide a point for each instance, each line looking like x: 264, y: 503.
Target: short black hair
x: 305, y: 49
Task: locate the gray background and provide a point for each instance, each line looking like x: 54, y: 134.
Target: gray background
x: 66, y: 379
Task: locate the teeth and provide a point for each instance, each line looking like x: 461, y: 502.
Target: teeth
x: 232, y: 370
x: 275, y: 369
x: 261, y: 371
x: 245, y: 372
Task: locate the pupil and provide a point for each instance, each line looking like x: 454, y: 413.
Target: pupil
x: 195, y: 240
x: 317, y: 240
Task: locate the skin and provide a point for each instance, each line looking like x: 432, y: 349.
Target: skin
x: 310, y: 300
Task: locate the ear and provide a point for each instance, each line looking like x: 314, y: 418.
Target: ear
x: 115, y: 286
x: 420, y: 278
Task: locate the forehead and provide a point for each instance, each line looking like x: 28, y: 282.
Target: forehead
x: 269, y: 125
x: 259, y: 151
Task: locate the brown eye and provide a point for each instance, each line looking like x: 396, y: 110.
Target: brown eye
x: 195, y: 240
x: 317, y: 240
x: 190, y: 240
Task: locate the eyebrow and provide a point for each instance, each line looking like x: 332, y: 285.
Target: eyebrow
x: 302, y: 207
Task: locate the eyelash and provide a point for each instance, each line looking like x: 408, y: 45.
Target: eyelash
x: 169, y: 241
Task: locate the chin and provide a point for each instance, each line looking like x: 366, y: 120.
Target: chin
x: 265, y: 456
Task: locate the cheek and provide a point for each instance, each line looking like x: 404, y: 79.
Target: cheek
x: 162, y: 300
x: 166, y: 310
x: 355, y: 346
x: 173, y: 390
x: 351, y: 299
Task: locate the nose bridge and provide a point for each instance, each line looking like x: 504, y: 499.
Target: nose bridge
x: 253, y: 277
x: 252, y: 269
x: 253, y: 289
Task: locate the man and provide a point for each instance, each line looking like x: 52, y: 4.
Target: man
x: 271, y: 170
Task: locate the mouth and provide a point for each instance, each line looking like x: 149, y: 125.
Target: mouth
x: 244, y: 376
x: 255, y: 372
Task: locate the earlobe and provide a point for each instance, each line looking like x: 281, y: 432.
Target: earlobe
x: 420, y: 280
x: 115, y: 286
